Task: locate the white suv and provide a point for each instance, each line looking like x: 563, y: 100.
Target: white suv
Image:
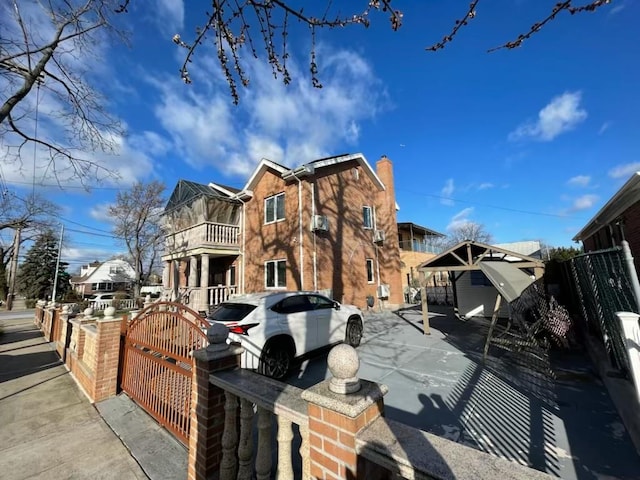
x: 274, y: 328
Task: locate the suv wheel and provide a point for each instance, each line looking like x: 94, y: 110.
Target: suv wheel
x: 354, y: 332
x: 275, y: 361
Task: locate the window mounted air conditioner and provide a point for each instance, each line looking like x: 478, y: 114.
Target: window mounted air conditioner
x: 320, y: 223
x: 383, y: 291
x: 378, y: 236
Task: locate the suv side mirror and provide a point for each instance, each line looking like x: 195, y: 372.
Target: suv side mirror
x: 336, y: 305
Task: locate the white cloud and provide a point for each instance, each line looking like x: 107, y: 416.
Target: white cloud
x: 562, y: 114
x: 288, y: 124
x: 100, y: 212
x: 625, y: 170
x: 579, y: 181
x: 169, y: 16
x: 461, y: 218
x: 485, y: 186
x: 446, y: 192
x: 584, y: 202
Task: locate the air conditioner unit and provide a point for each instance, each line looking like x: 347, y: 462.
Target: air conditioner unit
x: 378, y: 236
x: 320, y: 223
x: 383, y: 291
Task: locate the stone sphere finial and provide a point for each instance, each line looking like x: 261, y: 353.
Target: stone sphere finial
x: 344, y: 364
x: 217, y: 335
x: 88, y: 312
x: 65, y: 309
x: 109, y: 312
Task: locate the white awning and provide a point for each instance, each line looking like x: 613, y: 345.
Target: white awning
x: 508, y: 279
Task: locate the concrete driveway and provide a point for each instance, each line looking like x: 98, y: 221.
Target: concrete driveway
x: 548, y: 412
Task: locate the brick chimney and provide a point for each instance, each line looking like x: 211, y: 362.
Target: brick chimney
x: 384, y: 168
x: 387, y: 220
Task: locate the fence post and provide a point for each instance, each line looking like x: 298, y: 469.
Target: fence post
x: 107, y: 355
x: 207, y: 403
x: 631, y: 332
x: 633, y: 274
x: 338, y: 409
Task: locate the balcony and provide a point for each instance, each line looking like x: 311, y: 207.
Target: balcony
x: 419, y: 246
x: 206, y: 234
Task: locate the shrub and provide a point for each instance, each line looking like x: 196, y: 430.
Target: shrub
x: 30, y: 302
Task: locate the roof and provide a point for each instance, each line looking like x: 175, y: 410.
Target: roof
x: 508, y: 279
x: 468, y: 255
x: 310, y: 168
x: 186, y: 191
x: 419, y: 229
x: 624, y: 198
x: 531, y: 248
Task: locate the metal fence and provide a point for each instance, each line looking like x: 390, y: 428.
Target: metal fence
x: 600, y: 285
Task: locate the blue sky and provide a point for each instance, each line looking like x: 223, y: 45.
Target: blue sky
x: 530, y: 142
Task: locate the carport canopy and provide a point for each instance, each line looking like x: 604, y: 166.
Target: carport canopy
x: 508, y: 279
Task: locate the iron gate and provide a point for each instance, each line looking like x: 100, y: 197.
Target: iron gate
x: 157, y: 362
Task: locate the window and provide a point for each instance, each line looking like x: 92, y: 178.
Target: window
x: 478, y: 278
x: 370, y: 270
x: 116, y: 269
x: 367, y: 218
x: 294, y: 304
x: 321, y: 303
x: 274, y: 208
x: 275, y: 274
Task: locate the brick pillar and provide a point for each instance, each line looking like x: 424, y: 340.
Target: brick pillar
x: 63, y: 339
x: 107, y: 355
x: 207, y: 404
x: 338, y: 409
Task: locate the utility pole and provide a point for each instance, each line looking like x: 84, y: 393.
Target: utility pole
x: 13, y: 270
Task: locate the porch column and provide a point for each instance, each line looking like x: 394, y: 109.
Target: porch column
x: 166, y: 274
x: 204, y: 271
x: 193, y: 271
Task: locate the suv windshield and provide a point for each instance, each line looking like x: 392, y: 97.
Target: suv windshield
x: 231, y: 312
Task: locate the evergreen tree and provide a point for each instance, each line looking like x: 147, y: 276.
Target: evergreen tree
x: 36, y: 275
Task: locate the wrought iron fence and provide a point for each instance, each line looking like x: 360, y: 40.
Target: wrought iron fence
x: 600, y: 285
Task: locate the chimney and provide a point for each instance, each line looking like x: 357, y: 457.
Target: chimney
x: 384, y: 168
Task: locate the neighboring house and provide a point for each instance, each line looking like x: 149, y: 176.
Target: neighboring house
x: 417, y: 245
x: 617, y: 220
x: 328, y: 225
x: 474, y: 294
x: 110, y: 276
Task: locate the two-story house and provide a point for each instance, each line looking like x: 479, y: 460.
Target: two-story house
x: 111, y: 276
x: 328, y: 225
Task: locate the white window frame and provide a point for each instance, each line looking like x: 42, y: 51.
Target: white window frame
x: 276, y: 279
x: 276, y: 199
x: 364, y: 218
x: 370, y: 270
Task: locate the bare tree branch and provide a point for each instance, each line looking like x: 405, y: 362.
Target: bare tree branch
x: 46, y: 46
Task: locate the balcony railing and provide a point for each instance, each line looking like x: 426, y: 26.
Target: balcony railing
x: 418, y: 246
x: 204, y: 234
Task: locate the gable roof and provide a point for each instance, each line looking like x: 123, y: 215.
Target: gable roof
x: 468, y: 255
x: 624, y: 198
x: 262, y: 167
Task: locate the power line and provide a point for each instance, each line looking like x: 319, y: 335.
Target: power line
x: 497, y: 207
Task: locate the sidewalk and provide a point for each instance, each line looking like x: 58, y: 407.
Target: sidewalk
x: 49, y: 428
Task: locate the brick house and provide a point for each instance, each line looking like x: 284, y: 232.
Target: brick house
x: 328, y: 225
x: 617, y: 220
x: 417, y: 245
